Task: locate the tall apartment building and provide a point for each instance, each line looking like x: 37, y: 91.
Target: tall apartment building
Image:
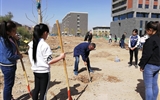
x: 130, y: 14
x: 75, y: 23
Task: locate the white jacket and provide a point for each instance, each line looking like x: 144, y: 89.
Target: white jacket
x: 43, y: 53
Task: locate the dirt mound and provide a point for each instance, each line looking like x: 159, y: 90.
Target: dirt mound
x: 112, y: 79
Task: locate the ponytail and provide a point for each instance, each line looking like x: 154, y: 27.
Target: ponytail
x: 4, y: 28
x: 37, y: 34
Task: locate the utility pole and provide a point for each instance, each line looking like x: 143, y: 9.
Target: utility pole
x: 39, y: 11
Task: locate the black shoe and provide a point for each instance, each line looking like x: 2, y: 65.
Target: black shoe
x: 129, y: 65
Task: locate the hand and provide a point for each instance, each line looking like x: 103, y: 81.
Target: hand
x: 62, y: 55
x: 141, y: 69
x: 20, y: 56
x: 85, y: 63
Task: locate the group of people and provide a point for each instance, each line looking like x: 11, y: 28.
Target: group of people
x: 40, y: 56
x: 150, y: 60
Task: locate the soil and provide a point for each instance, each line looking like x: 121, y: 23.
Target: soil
x: 110, y: 81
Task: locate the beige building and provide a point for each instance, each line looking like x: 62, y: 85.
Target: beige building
x: 101, y: 31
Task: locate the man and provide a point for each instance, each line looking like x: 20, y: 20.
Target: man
x: 88, y: 36
x: 83, y: 49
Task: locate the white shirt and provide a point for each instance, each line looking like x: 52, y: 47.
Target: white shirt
x: 43, y: 53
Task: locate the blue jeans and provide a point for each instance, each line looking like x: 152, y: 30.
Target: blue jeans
x: 150, y: 76
x: 77, y: 62
x: 122, y: 44
x: 9, y: 77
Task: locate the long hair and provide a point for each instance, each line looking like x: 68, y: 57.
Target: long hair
x: 5, y: 28
x: 37, y: 34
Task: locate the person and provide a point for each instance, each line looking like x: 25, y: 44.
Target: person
x: 134, y: 41
x: 122, y: 40
x: 110, y: 38
x: 115, y: 38
x: 150, y: 60
x: 40, y: 56
x: 83, y: 49
x: 9, y: 56
x: 88, y: 36
x: 143, y: 40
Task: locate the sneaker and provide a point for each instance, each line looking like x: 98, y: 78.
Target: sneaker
x: 76, y: 73
x: 129, y: 65
x: 136, y: 66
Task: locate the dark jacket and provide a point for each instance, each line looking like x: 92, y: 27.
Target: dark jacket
x: 123, y: 37
x: 83, y: 50
x: 8, y: 56
x: 151, y: 52
x: 88, y: 37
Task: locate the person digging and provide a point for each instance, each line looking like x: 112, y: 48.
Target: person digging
x: 83, y: 49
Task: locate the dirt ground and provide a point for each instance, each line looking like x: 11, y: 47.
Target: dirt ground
x: 110, y: 81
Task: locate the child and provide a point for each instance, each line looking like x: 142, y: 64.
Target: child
x: 134, y: 41
x: 9, y: 57
x: 150, y: 60
x: 40, y: 58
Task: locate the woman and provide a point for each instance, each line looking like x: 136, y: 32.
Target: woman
x: 8, y: 57
x: 134, y: 41
x: 40, y: 56
x: 150, y: 60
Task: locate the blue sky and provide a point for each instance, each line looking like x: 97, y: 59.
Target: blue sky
x: 99, y: 11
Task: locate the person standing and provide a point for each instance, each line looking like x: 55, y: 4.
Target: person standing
x: 40, y: 56
x: 83, y: 49
x: 122, y: 40
x: 9, y: 56
x: 150, y: 60
x: 110, y: 38
x: 134, y: 41
x: 115, y: 38
x: 88, y: 36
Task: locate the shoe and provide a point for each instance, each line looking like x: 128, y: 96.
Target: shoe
x: 129, y: 65
x: 76, y: 73
x: 90, y: 70
x: 136, y: 66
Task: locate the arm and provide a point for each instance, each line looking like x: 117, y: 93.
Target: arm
x: 62, y: 55
x: 147, y: 53
x: 129, y: 43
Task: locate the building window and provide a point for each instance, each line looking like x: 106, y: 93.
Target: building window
x: 154, y: 6
x: 141, y: 24
x: 154, y: 15
x: 122, y: 17
x: 155, y: 0
x: 143, y: 15
x: 116, y: 18
x: 130, y: 15
x: 140, y: 5
x: 146, y: 6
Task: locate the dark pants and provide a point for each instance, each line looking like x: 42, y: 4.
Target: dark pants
x: 41, y: 85
x: 77, y: 63
x: 9, y: 77
x: 135, y: 51
x: 122, y: 43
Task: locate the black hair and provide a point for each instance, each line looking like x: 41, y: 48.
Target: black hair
x: 135, y: 30
x: 4, y: 28
x: 152, y: 25
x: 39, y: 29
x: 93, y: 44
x: 158, y: 29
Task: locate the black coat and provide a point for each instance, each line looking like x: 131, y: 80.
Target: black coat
x: 151, y: 52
